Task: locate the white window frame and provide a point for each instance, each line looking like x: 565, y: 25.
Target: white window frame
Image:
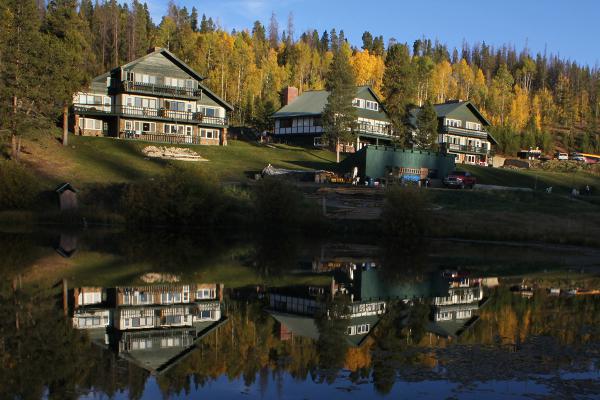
x: 456, y: 123
x: 475, y: 126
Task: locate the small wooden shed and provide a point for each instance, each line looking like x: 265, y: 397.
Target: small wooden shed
x: 67, y: 197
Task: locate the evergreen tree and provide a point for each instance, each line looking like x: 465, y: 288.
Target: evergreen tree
x: 339, y: 116
x: 75, y: 63
x: 27, y: 76
x: 427, y: 128
x: 325, y: 41
x: 399, y: 88
x: 378, y: 46
x: 194, y: 19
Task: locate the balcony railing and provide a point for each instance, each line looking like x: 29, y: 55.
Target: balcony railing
x: 162, y: 90
x: 385, y: 130
x: 161, y: 137
x: 464, y: 131
x: 460, y: 148
x: 151, y: 113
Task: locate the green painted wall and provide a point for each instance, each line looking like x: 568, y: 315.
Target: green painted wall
x: 375, y: 161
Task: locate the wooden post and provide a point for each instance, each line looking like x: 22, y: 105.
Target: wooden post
x: 65, y: 290
x: 65, y: 134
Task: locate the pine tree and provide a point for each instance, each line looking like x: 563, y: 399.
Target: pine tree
x: 339, y: 116
x: 399, y: 88
x: 194, y: 19
x: 367, y: 40
x: 427, y: 128
x: 27, y: 77
x: 66, y: 25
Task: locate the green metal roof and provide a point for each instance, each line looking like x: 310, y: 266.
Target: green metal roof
x: 313, y: 102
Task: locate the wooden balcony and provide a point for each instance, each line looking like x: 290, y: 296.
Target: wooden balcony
x: 160, y: 90
x: 464, y: 132
x: 377, y: 130
x: 155, y: 114
x: 160, y: 137
x: 459, y: 148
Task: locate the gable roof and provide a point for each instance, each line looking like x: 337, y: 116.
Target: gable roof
x: 313, y: 102
x: 98, y: 81
x: 444, y: 109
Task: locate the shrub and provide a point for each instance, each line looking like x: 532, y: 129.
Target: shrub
x: 178, y: 198
x: 18, y: 186
x: 279, y: 205
x: 405, y: 215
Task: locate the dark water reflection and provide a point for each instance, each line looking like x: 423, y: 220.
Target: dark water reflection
x: 122, y: 315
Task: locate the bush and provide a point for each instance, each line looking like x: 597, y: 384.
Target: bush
x: 18, y: 186
x: 179, y: 198
x: 279, y: 205
x: 405, y: 215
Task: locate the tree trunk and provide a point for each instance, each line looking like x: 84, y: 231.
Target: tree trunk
x: 14, y: 154
x: 65, y: 134
x: 337, y: 151
x: 14, y: 139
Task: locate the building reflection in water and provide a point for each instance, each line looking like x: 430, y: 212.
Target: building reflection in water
x: 454, y: 298
x: 153, y: 326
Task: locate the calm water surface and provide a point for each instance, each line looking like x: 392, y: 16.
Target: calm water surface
x: 95, y: 315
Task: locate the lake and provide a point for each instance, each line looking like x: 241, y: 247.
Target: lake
x: 99, y: 314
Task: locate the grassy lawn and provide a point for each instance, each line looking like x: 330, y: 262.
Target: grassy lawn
x: 532, y: 178
x: 103, y: 160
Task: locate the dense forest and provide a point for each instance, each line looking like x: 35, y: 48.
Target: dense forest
x: 531, y: 99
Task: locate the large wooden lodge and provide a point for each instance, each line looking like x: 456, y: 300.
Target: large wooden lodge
x: 156, y: 98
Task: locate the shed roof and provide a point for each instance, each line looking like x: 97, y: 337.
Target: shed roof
x: 63, y: 187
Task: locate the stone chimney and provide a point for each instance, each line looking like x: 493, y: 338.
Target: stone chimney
x: 288, y: 95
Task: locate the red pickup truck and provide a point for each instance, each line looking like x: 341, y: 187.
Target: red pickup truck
x: 460, y: 179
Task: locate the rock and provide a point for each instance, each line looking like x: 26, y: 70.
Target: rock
x: 172, y: 153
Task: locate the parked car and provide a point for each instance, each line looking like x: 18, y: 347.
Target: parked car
x: 561, y: 156
x: 576, y: 157
x: 460, y: 179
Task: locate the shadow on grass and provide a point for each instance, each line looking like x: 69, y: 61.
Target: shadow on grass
x: 120, y: 162
x: 316, y: 165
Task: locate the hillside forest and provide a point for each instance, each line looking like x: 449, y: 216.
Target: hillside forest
x: 531, y: 99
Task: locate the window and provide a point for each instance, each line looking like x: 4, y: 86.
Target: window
x: 188, y: 130
x: 175, y: 129
x: 453, y: 122
x: 145, y: 126
x: 135, y: 322
x: 205, y: 294
x: 174, y: 82
x: 90, y: 124
x: 205, y: 314
x: 141, y: 102
x: 285, y: 123
x: 364, y: 328
x: 144, y: 298
x: 144, y: 78
x: 372, y: 105
x: 174, y: 105
x: 208, y: 111
x: 473, y: 125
